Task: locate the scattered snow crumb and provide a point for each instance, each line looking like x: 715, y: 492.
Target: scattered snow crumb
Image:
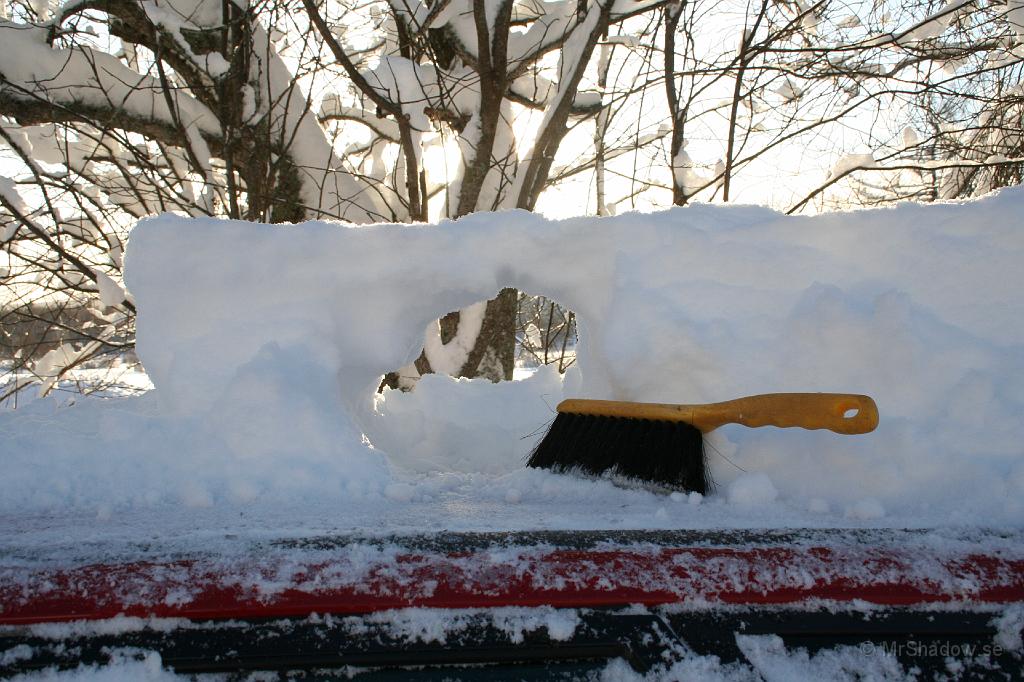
x: 752, y: 489
x: 129, y: 665
x: 22, y: 652
x: 695, y: 498
x: 437, y: 625
x: 677, y: 497
x: 1008, y: 628
x: 771, y: 658
x: 118, y: 625
x: 560, y: 624
x: 866, y: 509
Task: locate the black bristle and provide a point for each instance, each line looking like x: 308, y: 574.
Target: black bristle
x: 665, y: 453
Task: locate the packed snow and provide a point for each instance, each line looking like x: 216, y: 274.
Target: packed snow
x: 266, y: 348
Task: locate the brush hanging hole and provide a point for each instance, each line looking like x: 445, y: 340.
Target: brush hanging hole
x: 851, y: 413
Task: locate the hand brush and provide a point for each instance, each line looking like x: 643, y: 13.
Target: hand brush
x: 663, y: 443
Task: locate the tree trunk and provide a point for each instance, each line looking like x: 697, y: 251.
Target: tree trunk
x: 494, y: 353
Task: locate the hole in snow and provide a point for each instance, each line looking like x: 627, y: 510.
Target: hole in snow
x: 851, y: 413
x: 508, y: 337
x: 545, y: 335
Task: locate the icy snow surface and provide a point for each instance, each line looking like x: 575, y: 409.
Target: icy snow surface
x: 266, y: 344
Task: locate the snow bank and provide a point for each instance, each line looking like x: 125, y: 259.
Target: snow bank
x: 266, y: 344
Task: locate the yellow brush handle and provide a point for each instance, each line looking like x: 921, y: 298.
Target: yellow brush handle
x: 805, y: 410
